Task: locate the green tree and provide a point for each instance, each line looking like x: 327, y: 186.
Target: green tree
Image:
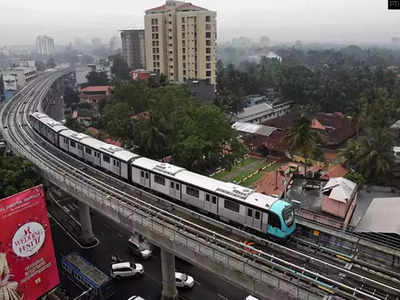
x: 16, y: 174
x: 97, y: 78
x: 71, y: 97
x: 302, y: 140
x: 376, y: 155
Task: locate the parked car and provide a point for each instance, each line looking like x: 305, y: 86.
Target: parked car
x: 136, y: 298
x: 126, y: 269
x: 183, y: 280
x: 250, y: 297
x: 138, y: 249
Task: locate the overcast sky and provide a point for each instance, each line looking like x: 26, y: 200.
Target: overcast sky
x: 281, y: 20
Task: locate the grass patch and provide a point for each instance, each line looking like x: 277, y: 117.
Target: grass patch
x: 252, y: 180
x: 224, y: 175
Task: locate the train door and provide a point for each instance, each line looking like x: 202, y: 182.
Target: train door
x: 253, y: 218
x: 174, y: 189
x: 116, y: 167
x: 145, y: 178
x: 97, y: 160
x: 210, y: 203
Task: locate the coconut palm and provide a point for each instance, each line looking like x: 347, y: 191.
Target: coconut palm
x: 302, y: 140
x: 376, y: 155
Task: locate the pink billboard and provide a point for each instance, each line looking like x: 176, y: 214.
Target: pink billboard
x: 28, y: 267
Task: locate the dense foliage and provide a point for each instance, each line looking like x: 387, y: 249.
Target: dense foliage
x: 97, y: 78
x: 161, y: 121
x: 16, y: 174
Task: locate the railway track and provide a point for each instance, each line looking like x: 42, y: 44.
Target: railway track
x: 288, y: 267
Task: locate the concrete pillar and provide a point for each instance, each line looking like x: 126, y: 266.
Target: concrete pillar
x: 169, y: 291
x: 87, y: 236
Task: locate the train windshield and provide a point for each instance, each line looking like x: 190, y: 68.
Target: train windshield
x: 288, y: 215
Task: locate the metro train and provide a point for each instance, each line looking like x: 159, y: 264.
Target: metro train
x: 227, y: 201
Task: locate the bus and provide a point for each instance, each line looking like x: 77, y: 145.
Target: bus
x: 88, y: 276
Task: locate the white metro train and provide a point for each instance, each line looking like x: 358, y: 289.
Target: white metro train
x: 227, y: 201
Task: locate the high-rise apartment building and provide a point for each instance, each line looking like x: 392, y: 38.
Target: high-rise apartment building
x: 181, y: 41
x: 45, y: 45
x: 133, y: 49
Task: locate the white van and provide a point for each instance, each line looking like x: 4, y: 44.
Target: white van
x: 126, y: 269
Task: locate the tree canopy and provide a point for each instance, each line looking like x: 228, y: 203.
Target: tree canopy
x: 161, y: 121
x: 16, y: 174
x: 97, y: 78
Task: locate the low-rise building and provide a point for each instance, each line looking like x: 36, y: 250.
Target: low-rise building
x: 139, y: 74
x: 338, y: 195
x: 17, y: 77
x: 263, y: 112
x: 93, y: 94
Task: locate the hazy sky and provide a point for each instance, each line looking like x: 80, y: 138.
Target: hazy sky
x: 282, y: 20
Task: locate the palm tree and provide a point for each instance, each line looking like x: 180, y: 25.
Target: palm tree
x: 153, y: 139
x: 301, y: 139
x: 376, y: 155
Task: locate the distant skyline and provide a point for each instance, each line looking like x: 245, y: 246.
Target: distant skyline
x: 357, y: 21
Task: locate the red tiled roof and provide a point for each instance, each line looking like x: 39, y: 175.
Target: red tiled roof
x: 335, y: 171
x: 189, y: 6
x: 317, y: 125
x: 272, y: 183
x: 101, y: 88
x: 141, y: 116
x: 93, y: 131
x: 112, y: 142
x: 158, y: 8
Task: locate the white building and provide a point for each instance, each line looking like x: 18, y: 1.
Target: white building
x: 17, y: 77
x: 45, y: 45
x: 262, y: 112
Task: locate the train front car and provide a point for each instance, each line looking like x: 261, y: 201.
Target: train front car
x: 286, y: 225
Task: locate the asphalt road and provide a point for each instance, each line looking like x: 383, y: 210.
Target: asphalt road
x: 113, y: 241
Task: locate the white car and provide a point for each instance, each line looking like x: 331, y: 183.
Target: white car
x: 250, y: 297
x: 142, y: 250
x: 136, y: 298
x: 183, y: 280
x: 126, y: 269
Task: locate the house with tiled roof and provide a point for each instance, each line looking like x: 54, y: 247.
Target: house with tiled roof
x: 334, y: 172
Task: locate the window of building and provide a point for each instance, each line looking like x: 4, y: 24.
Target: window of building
x: 208, y: 50
x: 184, y: 65
x: 208, y: 35
x: 159, y: 179
x: 231, y: 205
x: 73, y: 145
x: 183, y: 35
x: 183, y: 27
x: 208, y: 18
x: 208, y: 58
x: 154, y: 57
x: 154, y: 65
x: 191, y: 191
x: 183, y: 57
x: 208, y: 66
x: 106, y: 158
x: 183, y: 50
x: 208, y: 73
x: 183, y: 20
x: 170, y: 37
x: 208, y: 42
x: 208, y: 26
x: 184, y: 72
x: 158, y: 57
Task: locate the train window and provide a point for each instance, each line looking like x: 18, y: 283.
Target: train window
x: 177, y: 187
x: 228, y: 204
x: 172, y: 184
x: 88, y: 151
x: 207, y: 197
x: 192, y: 191
x: 72, y: 144
x: 142, y: 173
x: 274, y: 220
x: 65, y: 141
x: 249, y: 212
x: 159, y: 179
x: 257, y: 215
x: 117, y: 163
x: 106, y: 158
x: 214, y: 199
x: 147, y: 175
